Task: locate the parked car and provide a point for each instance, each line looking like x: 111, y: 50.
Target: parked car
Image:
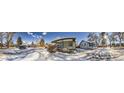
x: 22, y: 47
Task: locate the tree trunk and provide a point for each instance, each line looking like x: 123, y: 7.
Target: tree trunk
x: 120, y: 42
x: 1, y: 46
x: 110, y: 44
x: 114, y: 44
x: 7, y: 45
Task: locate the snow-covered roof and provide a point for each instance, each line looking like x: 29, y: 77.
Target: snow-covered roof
x: 67, y: 38
x: 86, y: 41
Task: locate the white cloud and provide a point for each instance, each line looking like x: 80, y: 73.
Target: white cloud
x: 29, y: 33
x: 36, y: 36
x: 26, y: 42
x: 57, y: 38
x: 33, y: 36
x: 44, y: 33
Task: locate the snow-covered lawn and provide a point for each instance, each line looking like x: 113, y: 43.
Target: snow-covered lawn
x: 41, y: 54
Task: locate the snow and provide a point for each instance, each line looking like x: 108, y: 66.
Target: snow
x: 41, y: 54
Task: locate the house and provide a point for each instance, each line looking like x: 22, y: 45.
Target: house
x: 1, y: 45
x: 65, y: 44
x: 87, y: 45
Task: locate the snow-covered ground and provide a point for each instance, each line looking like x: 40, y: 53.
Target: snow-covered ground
x: 41, y: 54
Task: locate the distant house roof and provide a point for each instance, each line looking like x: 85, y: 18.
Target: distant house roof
x: 73, y: 38
x: 86, y: 42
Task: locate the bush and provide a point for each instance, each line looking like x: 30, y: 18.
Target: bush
x: 51, y: 48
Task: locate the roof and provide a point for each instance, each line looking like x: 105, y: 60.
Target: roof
x: 64, y: 39
x: 86, y: 41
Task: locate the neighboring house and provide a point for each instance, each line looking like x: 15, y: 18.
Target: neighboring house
x: 87, y: 45
x: 1, y: 45
x: 65, y: 44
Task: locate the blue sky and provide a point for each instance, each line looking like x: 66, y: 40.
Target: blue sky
x: 49, y: 36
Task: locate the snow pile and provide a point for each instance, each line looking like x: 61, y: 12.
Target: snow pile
x: 14, y: 54
x: 41, y: 54
x: 106, y: 54
x: 59, y: 56
x: 80, y: 50
x: 118, y: 55
x: 100, y: 55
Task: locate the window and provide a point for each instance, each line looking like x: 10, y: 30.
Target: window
x: 70, y: 43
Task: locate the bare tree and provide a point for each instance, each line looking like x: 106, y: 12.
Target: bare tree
x: 93, y: 37
x: 120, y: 36
x: 9, y: 36
x: 19, y: 41
x: 103, y: 37
x: 42, y: 42
x: 112, y: 38
x: 2, y: 37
